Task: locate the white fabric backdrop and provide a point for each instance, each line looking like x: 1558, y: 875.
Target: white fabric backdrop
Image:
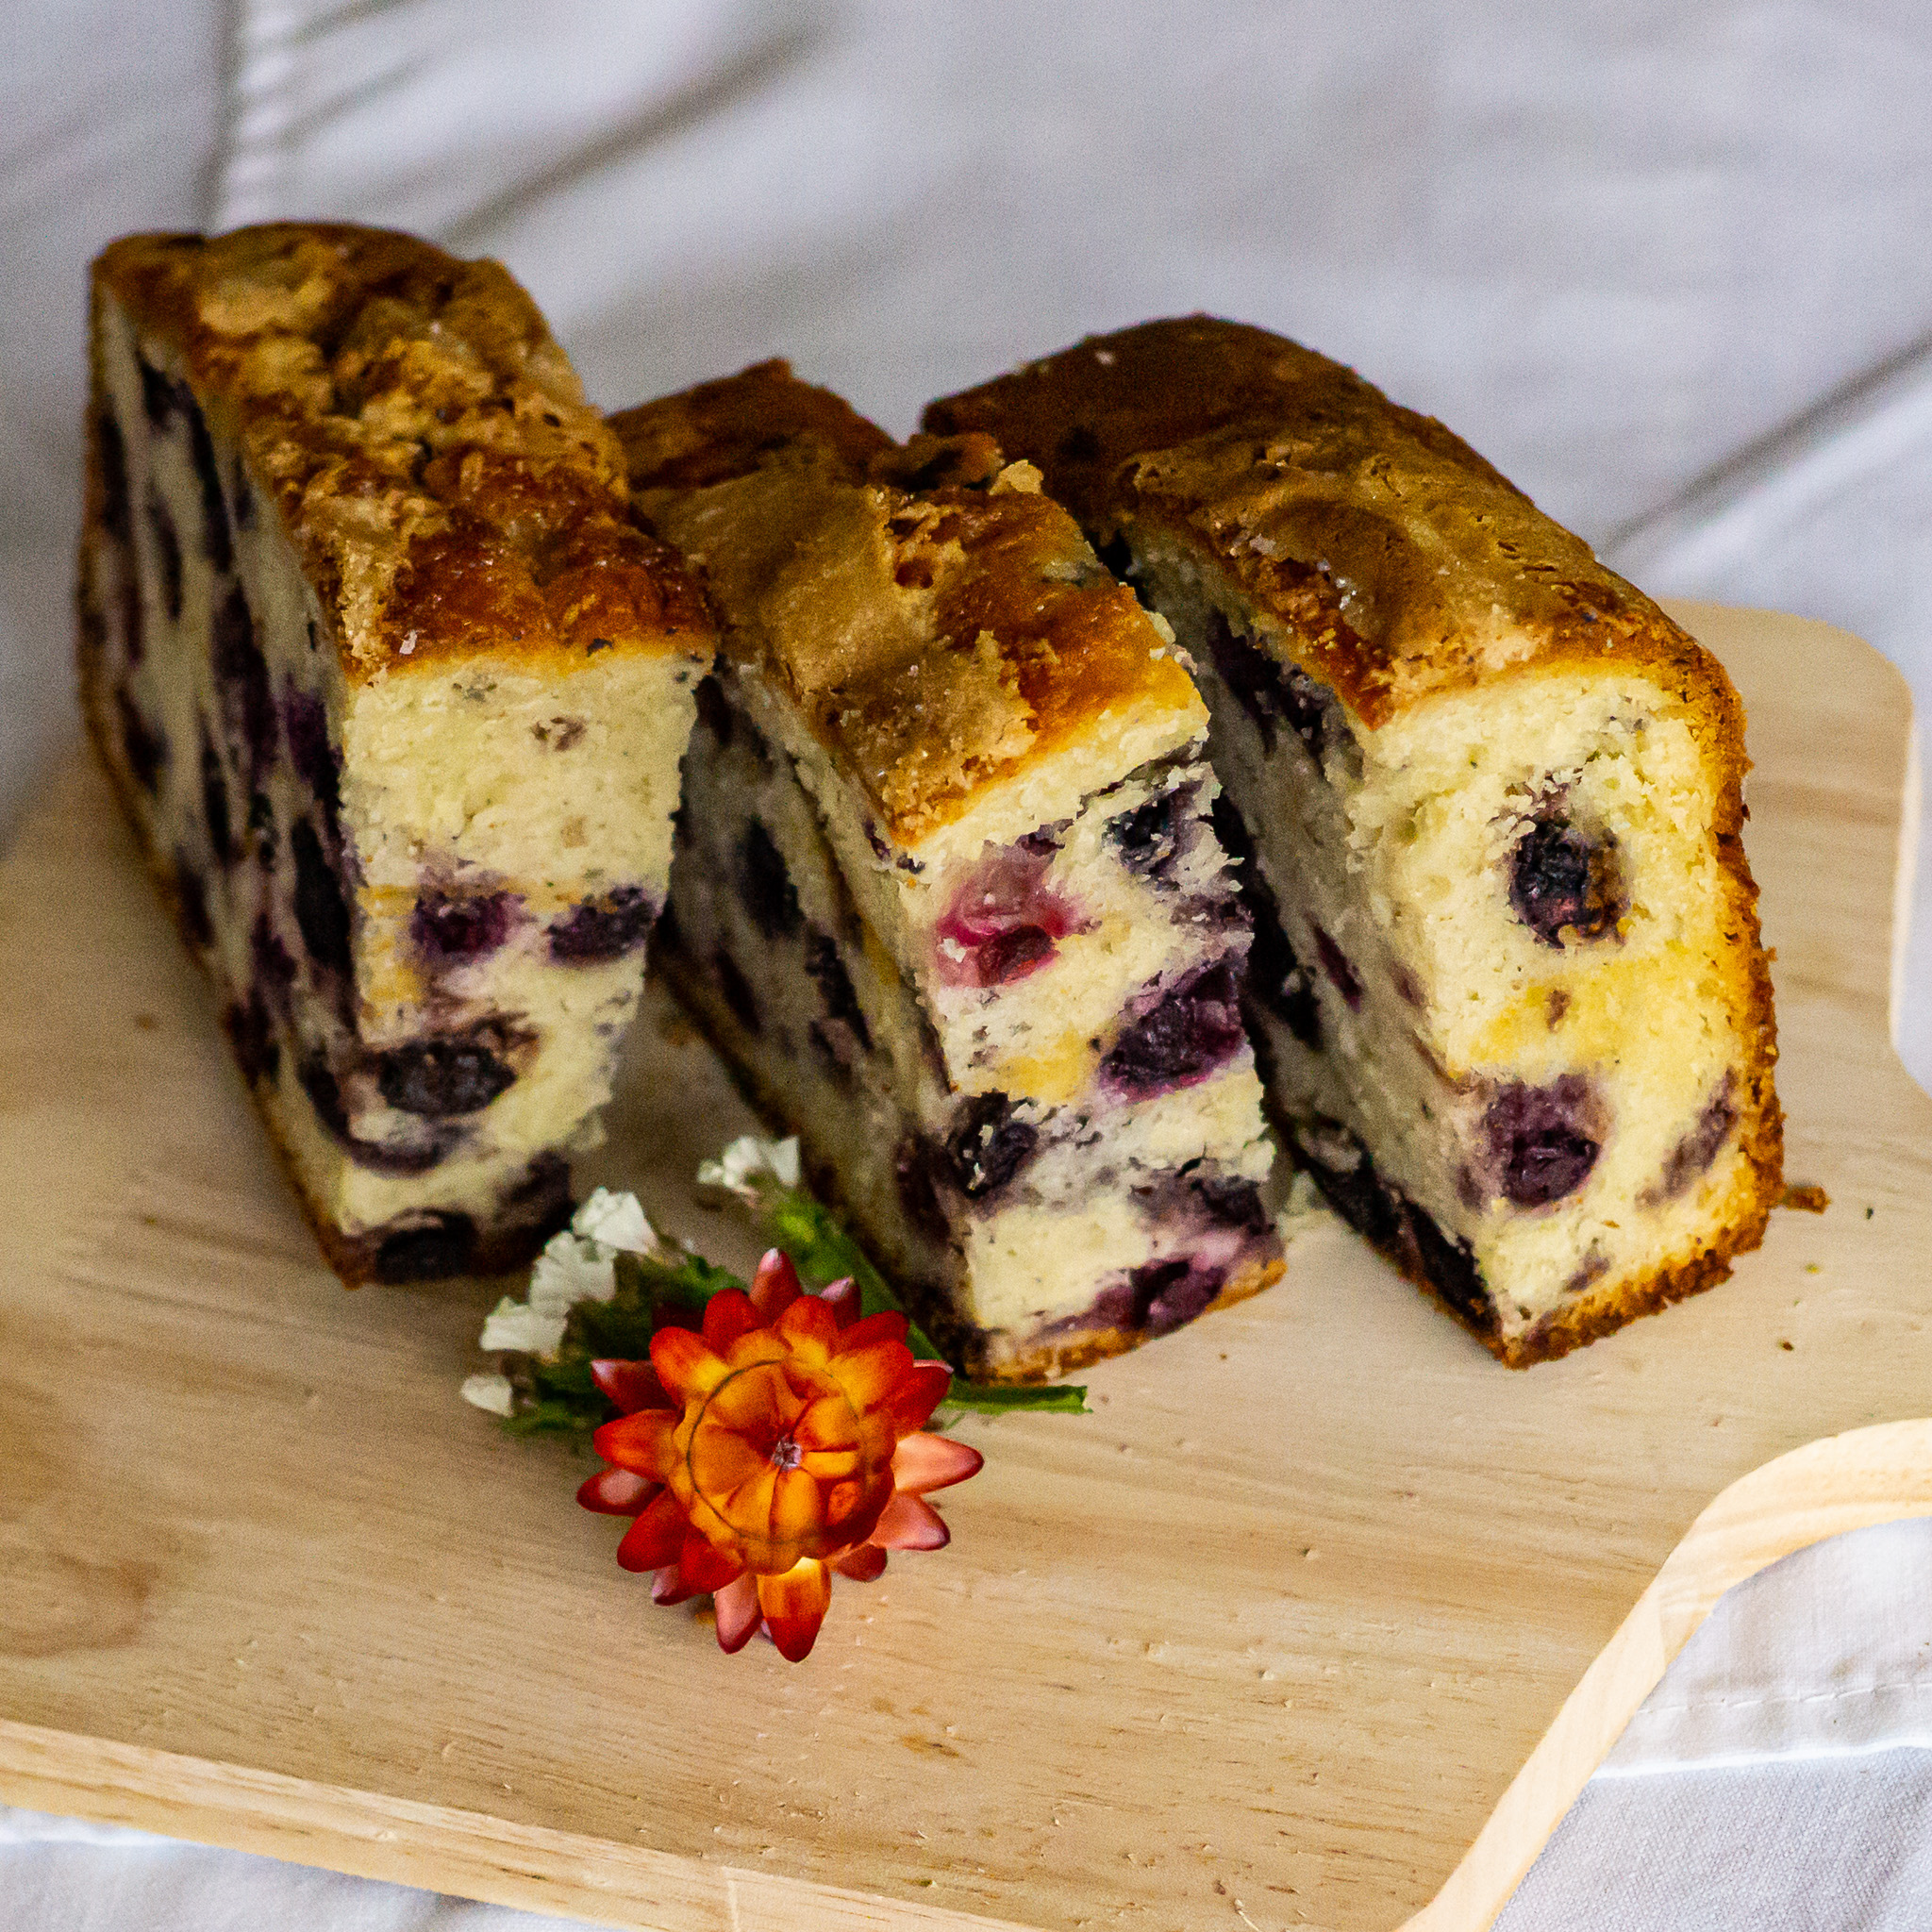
x: 1657, y: 262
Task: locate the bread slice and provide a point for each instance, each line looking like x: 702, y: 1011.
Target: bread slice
x: 394, y: 692
x: 1506, y: 979
x: 945, y: 889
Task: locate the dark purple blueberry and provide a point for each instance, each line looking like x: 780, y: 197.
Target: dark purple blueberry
x: 1693, y: 1156
x: 93, y: 631
x: 1194, y: 1029
x: 1347, y: 1177
x: 249, y: 705
x: 321, y: 910
x: 1004, y: 917
x: 1562, y: 883
x: 1170, y: 1293
x: 603, y: 928
x: 326, y: 1096
x: 305, y: 718
x: 1044, y: 841
x: 438, y: 1078
x: 1149, y: 838
x: 823, y: 961
x: 216, y: 541
x: 214, y: 802
x: 133, y: 621
x: 545, y: 1185
x: 191, y: 892
x: 438, y: 1246
x: 448, y: 927
x: 832, y: 1040
x: 714, y: 711
x: 252, y: 1034
x: 1112, y: 1308
x: 274, y: 965
x: 988, y: 1144
x: 1336, y: 965
x: 765, y: 885
x: 163, y: 397
x: 1543, y: 1141
x: 1013, y: 954
x: 168, y: 553
x: 1275, y: 977
x: 1232, y: 1201
x: 1405, y: 1231
x: 116, y: 516
x: 737, y: 991
x: 146, y: 749
x: 883, y: 852
x: 1271, y: 693
x: 916, y: 1167
x: 1448, y: 1267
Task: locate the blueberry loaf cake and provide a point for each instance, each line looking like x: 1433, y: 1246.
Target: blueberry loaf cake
x: 947, y: 890
x: 394, y: 690
x: 1505, y: 980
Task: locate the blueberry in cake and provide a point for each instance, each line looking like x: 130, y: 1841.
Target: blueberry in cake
x: 947, y: 890
x: 393, y: 690
x: 1505, y: 980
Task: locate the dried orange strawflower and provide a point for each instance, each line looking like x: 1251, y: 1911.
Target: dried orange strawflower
x: 782, y: 1441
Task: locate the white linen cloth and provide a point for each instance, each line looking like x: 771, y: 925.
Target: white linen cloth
x: 1658, y: 262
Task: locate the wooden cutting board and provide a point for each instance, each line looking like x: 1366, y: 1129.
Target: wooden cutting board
x: 1261, y: 1642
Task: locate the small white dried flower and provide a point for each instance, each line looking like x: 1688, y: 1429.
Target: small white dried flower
x: 618, y: 1222
x: 517, y: 1326
x: 750, y: 1165
x: 490, y: 1392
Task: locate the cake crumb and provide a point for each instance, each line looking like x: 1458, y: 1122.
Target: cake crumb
x: 1808, y: 1198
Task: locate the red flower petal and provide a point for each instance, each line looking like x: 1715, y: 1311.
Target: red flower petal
x: 669, y: 1587
x: 686, y: 1364
x: 918, y: 1395
x: 844, y: 1299
x: 727, y: 1315
x: 738, y: 1612
x: 631, y: 1385
x: 810, y: 1326
x: 911, y: 1522
x: 641, y: 1442
x: 794, y: 1604
x: 775, y: 1286
x: 923, y: 1462
x: 888, y: 1325
x: 700, y: 1566
x: 655, y: 1538
x: 862, y: 1564
x: 616, y: 1491
x: 871, y: 1374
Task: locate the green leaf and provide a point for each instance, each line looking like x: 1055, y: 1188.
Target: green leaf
x: 1011, y: 1398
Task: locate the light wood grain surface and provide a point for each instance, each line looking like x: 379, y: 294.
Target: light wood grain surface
x: 1263, y: 1641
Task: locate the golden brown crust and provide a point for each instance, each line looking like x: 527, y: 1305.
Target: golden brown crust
x: 937, y: 623
x: 447, y: 487
x: 1405, y: 564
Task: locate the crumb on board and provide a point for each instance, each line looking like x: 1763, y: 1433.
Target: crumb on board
x: 1808, y: 1198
